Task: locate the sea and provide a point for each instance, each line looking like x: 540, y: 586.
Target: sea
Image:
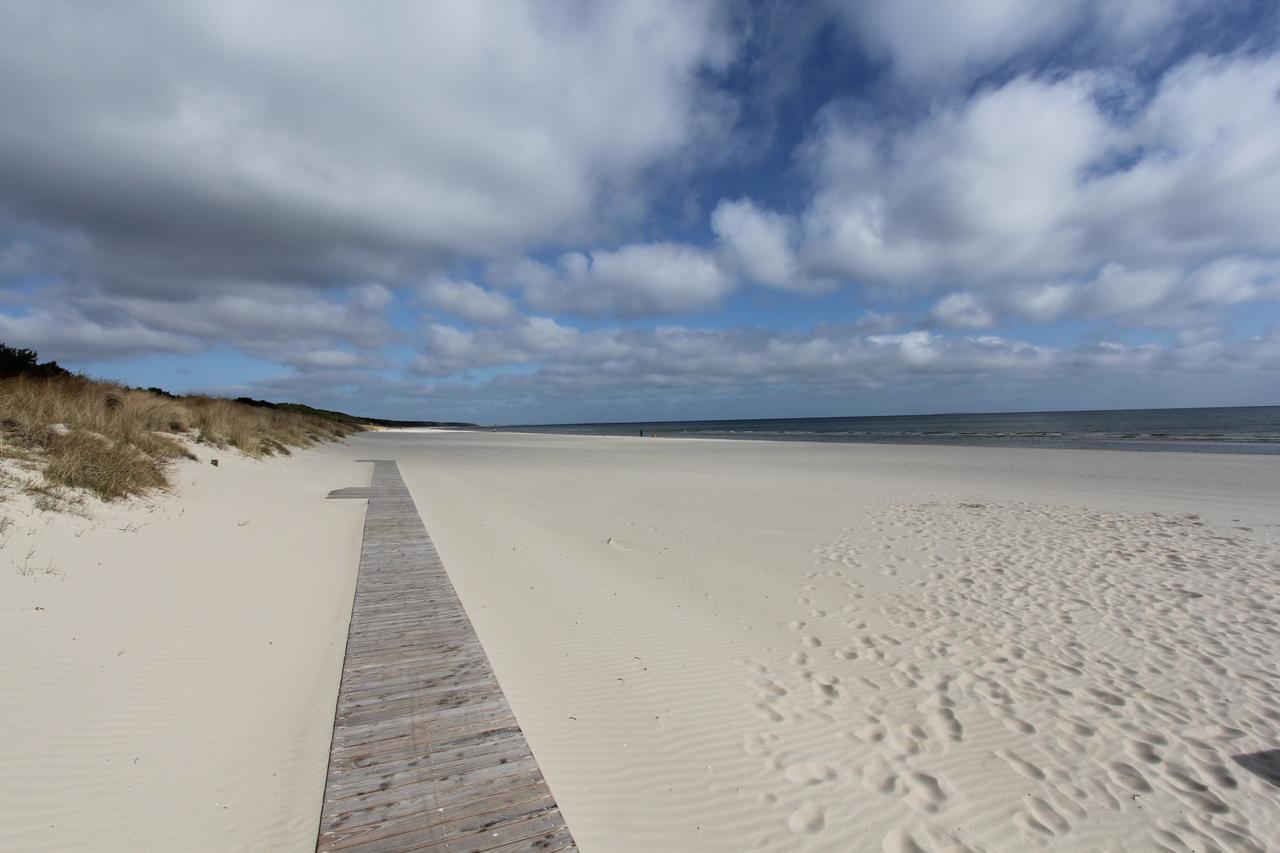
x: 1251, y: 429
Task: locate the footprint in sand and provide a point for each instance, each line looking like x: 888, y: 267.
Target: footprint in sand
x: 1020, y: 765
x: 945, y: 725
x: 807, y: 819
x: 768, y: 688
x: 924, y: 792
x: 810, y: 773
x: 1127, y: 776
x: 824, y: 685
x: 766, y: 712
x: 1047, y: 816
x: 878, y: 777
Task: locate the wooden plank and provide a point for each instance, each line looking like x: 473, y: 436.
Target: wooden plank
x: 426, y: 754
x: 389, y: 821
x: 489, y: 777
x: 393, y: 741
x: 367, y: 733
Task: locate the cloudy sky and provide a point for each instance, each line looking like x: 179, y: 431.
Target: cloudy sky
x: 569, y: 211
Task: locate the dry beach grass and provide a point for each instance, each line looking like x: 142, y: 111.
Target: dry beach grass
x: 117, y: 442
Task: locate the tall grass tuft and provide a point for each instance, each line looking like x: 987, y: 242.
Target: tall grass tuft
x: 116, y: 442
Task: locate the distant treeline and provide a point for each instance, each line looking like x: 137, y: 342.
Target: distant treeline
x: 343, y: 416
x: 25, y: 362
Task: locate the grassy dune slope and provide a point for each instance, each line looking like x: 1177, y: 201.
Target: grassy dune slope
x: 116, y: 442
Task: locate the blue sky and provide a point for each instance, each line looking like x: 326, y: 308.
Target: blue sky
x: 565, y: 211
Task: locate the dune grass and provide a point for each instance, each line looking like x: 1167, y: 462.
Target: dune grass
x: 116, y: 442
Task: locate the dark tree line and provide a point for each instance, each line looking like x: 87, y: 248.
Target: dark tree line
x: 25, y: 362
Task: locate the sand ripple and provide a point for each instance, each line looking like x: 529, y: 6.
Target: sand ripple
x: 1031, y: 677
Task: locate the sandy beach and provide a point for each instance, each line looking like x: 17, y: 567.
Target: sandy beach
x: 171, y: 663
x: 710, y: 645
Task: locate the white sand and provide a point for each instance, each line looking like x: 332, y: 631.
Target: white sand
x: 763, y: 645
x: 710, y: 645
x: 169, y: 668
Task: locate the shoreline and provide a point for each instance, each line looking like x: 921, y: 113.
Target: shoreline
x: 1134, y: 445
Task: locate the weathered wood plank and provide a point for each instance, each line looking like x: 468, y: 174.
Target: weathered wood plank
x: 497, y: 715
x: 426, y: 753
x: 436, y: 789
x: 388, y: 821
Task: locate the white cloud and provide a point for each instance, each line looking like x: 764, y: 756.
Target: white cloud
x: 632, y: 281
x: 332, y: 359
x: 1117, y: 290
x: 1231, y: 281
x: 1160, y: 297
x: 67, y: 335
x: 928, y: 41
x: 543, y: 370
x: 448, y: 349
x: 1207, y: 170
x: 1035, y: 198
x: 947, y: 45
x: 985, y: 191
x: 676, y: 359
x: 190, y: 176
x: 296, y: 326
x: 962, y: 311
x: 286, y: 143
x: 260, y: 319
x: 466, y: 301
x: 1042, y: 303
x: 760, y: 243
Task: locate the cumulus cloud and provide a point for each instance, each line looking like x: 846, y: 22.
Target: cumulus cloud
x: 1155, y: 297
x: 467, y: 301
x: 589, y: 371
x: 987, y: 190
x: 928, y: 41
x: 674, y: 356
x: 261, y: 319
x: 297, y: 326
x: 449, y: 349
x: 332, y: 359
x: 949, y: 44
x: 75, y: 337
x: 760, y: 243
x: 636, y: 280
x: 1035, y: 195
x: 677, y: 355
x: 301, y: 183
x: 962, y: 311
x: 285, y: 143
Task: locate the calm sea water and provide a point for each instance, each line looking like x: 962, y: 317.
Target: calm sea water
x: 1254, y: 429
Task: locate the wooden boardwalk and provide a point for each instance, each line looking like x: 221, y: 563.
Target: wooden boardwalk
x: 426, y: 753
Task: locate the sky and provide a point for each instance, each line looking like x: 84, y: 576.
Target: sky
x: 546, y: 212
